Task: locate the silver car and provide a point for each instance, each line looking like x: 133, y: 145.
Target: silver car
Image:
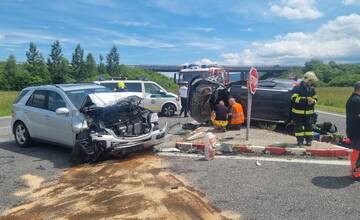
x: 89, y: 118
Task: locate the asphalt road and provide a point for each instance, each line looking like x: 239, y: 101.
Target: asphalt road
x: 43, y: 160
x: 274, y: 190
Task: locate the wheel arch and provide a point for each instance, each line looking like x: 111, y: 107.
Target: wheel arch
x: 170, y: 102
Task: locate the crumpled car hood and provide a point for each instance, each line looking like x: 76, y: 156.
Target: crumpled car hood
x: 111, y: 98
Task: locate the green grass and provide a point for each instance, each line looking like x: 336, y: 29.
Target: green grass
x: 333, y: 99
x: 6, y: 100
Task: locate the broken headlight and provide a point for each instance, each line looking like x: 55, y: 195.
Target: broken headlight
x: 154, y: 118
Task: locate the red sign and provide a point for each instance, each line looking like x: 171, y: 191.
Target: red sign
x: 253, y: 80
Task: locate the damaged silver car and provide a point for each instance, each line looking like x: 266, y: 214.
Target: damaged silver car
x: 89, y: 118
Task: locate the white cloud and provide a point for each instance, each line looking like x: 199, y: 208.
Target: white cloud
x: 16, y: 37
x: 206, y: 45
x: 351, y: 2
x: 149, y: 43
x: 205, y: 61
x: 337, y: 39
x: 296, y: 9
x: 204, y: 29
x: 131, y: 23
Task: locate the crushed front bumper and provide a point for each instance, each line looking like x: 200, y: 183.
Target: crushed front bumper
x: 120, y: 145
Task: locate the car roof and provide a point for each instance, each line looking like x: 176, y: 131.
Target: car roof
x: 126, y: 81
x: 69, y: 86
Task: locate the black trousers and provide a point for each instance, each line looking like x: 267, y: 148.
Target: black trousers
x: 184, y: 107
x: 303, y: 125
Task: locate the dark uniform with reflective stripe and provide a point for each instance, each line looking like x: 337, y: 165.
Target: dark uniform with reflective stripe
x: 303, y: 112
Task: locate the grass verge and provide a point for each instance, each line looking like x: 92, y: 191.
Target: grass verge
x: 6, y: 100
x: 333, y: 99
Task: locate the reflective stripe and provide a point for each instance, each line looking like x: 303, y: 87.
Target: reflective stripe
x: 295, y: 96
x: 302, y: 112
x: 299, y: 134
x: 310, y: 133
x: 297, y: 100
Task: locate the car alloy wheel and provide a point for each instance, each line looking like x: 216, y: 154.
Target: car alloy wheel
x: 21, y: 135
x: 168, y: 110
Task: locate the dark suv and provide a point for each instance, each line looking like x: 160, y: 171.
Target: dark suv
x: 271, y: 103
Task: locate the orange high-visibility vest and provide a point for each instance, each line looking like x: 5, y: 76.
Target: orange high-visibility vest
x: 237, y: 114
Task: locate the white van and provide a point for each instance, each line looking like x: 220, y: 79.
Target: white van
x: 156, y: 98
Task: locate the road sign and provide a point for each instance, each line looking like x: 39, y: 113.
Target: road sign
x: 253, y: 80
x: 252, y: 85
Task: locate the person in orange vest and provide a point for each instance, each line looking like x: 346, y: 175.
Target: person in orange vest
x: 236, y: 115
x: 353, y: 129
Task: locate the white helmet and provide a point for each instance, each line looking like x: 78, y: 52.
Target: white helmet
x: 310, y: 76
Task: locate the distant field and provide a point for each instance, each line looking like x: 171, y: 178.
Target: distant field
x: 333, y: 98
x: 6, y: 100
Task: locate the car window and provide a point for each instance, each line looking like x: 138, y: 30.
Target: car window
x: 113, y: 85
x: 55, y: 101
x: 38, y: 99
x: 152, y: 88
x: 21, y: 95
x: 267, y: 84
x: 133, y: 87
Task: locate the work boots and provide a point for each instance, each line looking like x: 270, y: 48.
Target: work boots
x: 300, y: 141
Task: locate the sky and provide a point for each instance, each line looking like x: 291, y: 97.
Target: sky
x: 232, y: 32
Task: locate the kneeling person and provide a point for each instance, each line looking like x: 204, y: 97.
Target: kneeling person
x: 236, y: 115
x: 219, y: 118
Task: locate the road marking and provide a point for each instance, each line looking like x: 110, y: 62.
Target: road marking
x: 5, y: 117
x: 270, y: 159
x: 329, y: 113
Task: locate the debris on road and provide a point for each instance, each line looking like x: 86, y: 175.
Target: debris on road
x: 135, y: 188
x: 209, y: 149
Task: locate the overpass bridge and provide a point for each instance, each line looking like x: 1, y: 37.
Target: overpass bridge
x: 231, y: 68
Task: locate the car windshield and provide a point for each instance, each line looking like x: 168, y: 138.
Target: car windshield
x: 77, y: 96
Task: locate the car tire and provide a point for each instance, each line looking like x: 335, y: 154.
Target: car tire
x: 21, y: 135
x: 168, y: 110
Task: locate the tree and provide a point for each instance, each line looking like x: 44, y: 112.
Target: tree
x: 56, y: 61
x: 78, y: 65
x: 113, y: 62
x: 36, y: 66
x: 10, y: 72
x: 90, y: 66
x: 101, y: 67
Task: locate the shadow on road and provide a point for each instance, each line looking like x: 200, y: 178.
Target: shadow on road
x: 58, y: 155
x: 332, y: 182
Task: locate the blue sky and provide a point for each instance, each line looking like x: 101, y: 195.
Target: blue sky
x: 248, y: 32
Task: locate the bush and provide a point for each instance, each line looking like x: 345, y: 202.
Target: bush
x: 344, y: 80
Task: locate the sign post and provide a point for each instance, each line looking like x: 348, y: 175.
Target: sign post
x: 252, y: 85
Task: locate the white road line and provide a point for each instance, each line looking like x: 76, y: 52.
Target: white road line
x: 270, y: 159
x: 332, y: 114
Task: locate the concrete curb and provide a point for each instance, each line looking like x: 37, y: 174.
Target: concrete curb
x: 335, y: 152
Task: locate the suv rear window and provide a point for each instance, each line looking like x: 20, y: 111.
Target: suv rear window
x: 38, y: 99
x: 21, y: 95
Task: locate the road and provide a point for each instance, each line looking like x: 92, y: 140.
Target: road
x: 43, y: 160
x: 274, y: 190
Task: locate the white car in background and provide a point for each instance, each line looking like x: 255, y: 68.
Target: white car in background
x: 155, y: 97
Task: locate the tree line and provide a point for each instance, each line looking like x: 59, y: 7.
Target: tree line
x: 57, y: 69
x: 329, y: 74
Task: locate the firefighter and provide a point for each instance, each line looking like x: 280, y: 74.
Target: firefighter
x: 219, y: 116
x: 303, y: 108
x: 236, y: 115
x: 353, y: 129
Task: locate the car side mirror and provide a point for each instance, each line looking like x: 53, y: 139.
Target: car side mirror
x: 162, y: 92
x: 62, y: 111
